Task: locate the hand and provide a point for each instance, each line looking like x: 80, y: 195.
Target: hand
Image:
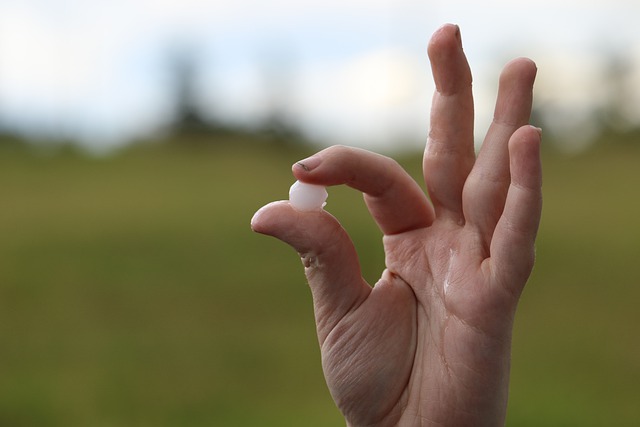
x: 430, y: 343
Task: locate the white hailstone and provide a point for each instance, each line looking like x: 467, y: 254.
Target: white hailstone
x: 307, y: 197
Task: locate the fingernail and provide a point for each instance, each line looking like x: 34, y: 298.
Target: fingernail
x: 458, y: 35
x: 309, y: 164
x: 539, y: 130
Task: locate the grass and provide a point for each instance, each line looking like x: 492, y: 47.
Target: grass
x: 132, y: 292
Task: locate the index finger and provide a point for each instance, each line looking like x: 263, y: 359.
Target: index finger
x: 395, y: 200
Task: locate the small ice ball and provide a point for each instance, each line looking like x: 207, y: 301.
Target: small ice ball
x: 307, y: 197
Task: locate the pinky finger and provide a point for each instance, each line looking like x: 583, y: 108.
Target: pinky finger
x: 512, y: 246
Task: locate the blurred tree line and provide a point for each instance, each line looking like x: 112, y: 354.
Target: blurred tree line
x: 614, y: 117
x: 191, y: 124
x: 615, y: 120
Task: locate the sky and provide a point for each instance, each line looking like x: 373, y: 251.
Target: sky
x: 345, y: 71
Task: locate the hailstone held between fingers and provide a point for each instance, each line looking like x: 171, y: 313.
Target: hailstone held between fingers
x: 307, y: 197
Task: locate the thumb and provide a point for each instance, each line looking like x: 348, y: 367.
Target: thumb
x: 329, y: 257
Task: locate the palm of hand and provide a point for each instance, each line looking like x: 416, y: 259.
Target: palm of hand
x: 423, y: 327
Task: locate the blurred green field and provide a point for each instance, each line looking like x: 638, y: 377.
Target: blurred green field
x: 133, y: 293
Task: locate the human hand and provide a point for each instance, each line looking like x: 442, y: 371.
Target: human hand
x: 430, y: 343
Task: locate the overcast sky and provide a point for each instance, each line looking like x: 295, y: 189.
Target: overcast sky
x: 350, y: 71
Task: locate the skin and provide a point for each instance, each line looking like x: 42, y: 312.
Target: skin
x: 430, y: 343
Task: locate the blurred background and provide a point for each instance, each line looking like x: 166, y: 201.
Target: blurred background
x: 138, y: 137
